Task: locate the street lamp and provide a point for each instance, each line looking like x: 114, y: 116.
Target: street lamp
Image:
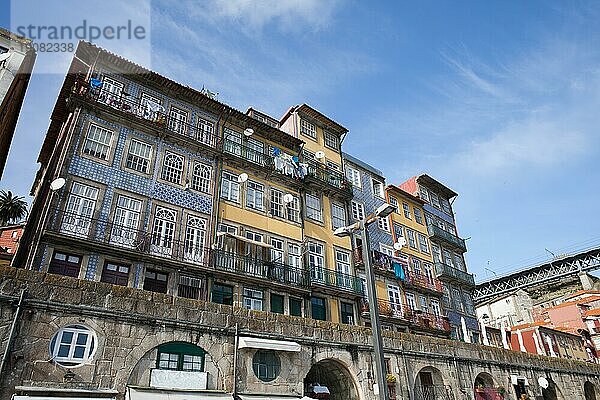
x: 381, y: 212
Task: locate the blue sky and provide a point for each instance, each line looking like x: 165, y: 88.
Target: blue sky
x: 499, y: 100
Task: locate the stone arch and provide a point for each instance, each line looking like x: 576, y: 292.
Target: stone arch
x: 552, y: 392
x: 484, y: 387
x: 337, y: 376
x: 589, y: 389
x: 430, y: 384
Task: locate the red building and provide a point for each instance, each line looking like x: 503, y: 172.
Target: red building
x: 9, y: 241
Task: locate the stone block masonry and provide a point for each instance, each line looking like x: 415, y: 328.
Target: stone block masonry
x: 130, y: 324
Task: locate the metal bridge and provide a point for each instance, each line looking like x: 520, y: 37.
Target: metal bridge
x: 550, y: 271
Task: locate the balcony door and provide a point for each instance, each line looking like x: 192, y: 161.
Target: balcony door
x: 163, y: 231
x: 126, y: 220
x: 79, y: 210
x: 395, y: 300
x: 195, y: 239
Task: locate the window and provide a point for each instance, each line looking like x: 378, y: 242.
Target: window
x: 458, y: 262
x: 125, y: 221
x: 116, y: 274
x: 318, y: 308
x: 423, y: 193
x: 255, y: 195
x: 398, y: 231
x: 172, y: 170
x: 178, y: 120
x: 435, y: 308
x: 448, y: 260
x: 155, y: 281
x: 353, y: 176
x: 418, y: 215
x: 313, y: 208
x: 446, y: 206
x: 338, y: 215
x: 276, y: 203
x: 233, y: 142
x: 180, y: 356
x: 206, y: 131
x: 410, y: 301
x: 98, y: 141
x: 435, y: 200
x: 190, y: 287
x: 293, y: 209
x: 230, y: 188
x: 151, y: 107
x: 277, y: 250
x: 138, y: 156
x: 253, y: 299
x: 406, y: 209
x: 377, y: 188
x: 266, y: 365
x: 457, y: 300
x: 386, y: 249
x: 468, y: 302
x: 437, y: 253
x: 79, y: 211
x: 410, y: 234
x: 163, y: 231
x: 316, y: 260
x: 347, y: 313
x: 308, y: 129
x: 295, y: 307
x: 394, y: 297
x: 255, y: 151
x: 446, y: 297
x: 423, y: 304
x: 201, y: 177
x: 294, y: 256
x: 342, y: 267
x: 394, y: 203
x: 276, y: 303
x: 73, y: 345
x: 358, y: 211
x: 111, y: 91
x: 383, y: 223
x: 416, y: 264
x: 222, y: 294
x: 423, y: 243
x: 195, y: 239
x: 65, y: 264
x: 331, y: 141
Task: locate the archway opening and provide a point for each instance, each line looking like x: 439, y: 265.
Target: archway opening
x: 335, y: 377
x: 551, y: 392
x: 485, y: 389
x: 589, y: 390
x: 430, y: 385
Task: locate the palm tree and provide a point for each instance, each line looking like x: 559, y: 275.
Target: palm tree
x: 12, y: 208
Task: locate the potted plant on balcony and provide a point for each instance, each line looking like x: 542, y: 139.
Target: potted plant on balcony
x: 391, y: 384
x: 479, y: 388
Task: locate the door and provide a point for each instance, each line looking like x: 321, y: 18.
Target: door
x: 80, y: 208
x: 195, y: 236
x: 395, y: 300
x: 126, y: 219
x: 342, y: 267
x: 163, y: 231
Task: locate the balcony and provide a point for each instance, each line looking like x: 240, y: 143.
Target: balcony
x: 448, y: 273
x: 430, y: 322
x: 146, y: 112
x: 77, y: 229
x: 388, y: 309
x: 421, y: 281
x: 316, y: 173
x: 257, y: 268
x: 435, y: 232
x: 335, y: 280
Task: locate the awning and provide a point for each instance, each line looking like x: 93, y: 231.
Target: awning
x: 158, y: 394
x: 268, y: 397
x: 59, y: 398
x: 243, y: 239
x: 268, y: 344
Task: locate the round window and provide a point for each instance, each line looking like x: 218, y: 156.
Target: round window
x: 266, y: 365
x: 73, y: 345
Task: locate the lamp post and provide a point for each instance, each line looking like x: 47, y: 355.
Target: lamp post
x: 382, y: 212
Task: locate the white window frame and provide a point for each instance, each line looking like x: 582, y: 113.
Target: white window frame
x: 253, y: 299
x: 201, y: 177
x: 313, y: 213
x: 172, y: 168
x: 423, y: 243
x: 99, y: 143
x: 377, y: 188
x: 436, y: 308
x: 394, y: 203
x: 276, y: 205
x: 331, y: 140
x: 163, y: 230
x: 79, y: 210
x: 316, y: 260
x: 308, y: 129
x: 292, y: 209
x: 195, y: 239
x: 384, y: 223
x: 206, y: 131
x: 338, y: 215
x: 126, y: 219
x: 411, y: 301
x: 406, y: 210
x: 343, y: 268
x: 139, y: 156
x: 255, y: 195
x: 89, y: 347
x: 412, y: 240
x: 418, y: 215
x: 358, y: 210
x: 387, y: 250
x: 230, y: 187
x: 178, y: 119
x: 353, y: 176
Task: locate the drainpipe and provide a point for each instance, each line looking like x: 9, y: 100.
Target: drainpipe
x: 409, y: 381
x: 235, y: 361
x: 11, y: 336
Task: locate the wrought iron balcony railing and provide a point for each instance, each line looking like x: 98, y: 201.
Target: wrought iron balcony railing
x: 423, y: 281
x: 329, y: 176
x: 435, y: 232
x: 255, y: 267
x: 128, y: 239
x: 433, y: 392
x: 388, y: 309
x: 446, y: 272
x: 430, y: 321
x: 247, y: 153
x: 334, y: 279
x: 144, y: 110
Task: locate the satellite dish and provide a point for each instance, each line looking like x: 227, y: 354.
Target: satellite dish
x: 243, y: 177
x: 288, y: 198
x: 57, y: 184
x: 400, y: 244
x: 319, y: 155
x: 543, y: 382
x: 248, y: 132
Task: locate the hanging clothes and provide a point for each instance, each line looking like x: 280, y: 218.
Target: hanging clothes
x: 399, y: 270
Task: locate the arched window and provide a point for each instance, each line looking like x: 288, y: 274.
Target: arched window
x: 180, y: 356
x: 201, y: 177
x: 73, y: 345
x: 172, y: 168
